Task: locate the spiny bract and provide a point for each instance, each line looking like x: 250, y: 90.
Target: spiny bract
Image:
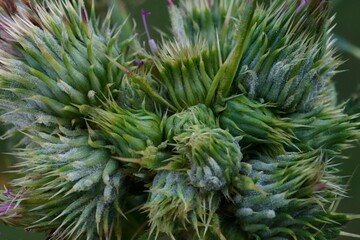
x: 227, y: 130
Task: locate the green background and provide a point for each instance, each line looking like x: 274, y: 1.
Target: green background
x: 347, y: 26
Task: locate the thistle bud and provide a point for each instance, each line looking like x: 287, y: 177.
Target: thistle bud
x: 64, y: 55
x: 214, y: 156
x: 216, y: 21
x: 129, y: 130
x: 284, y: 63
x: 183, y: 72
x: 182, y: 206
x: 285, y: 187
x: 73, y: 171
x: 257, y: 124
x: 182, y: 121
x: 319, y: 128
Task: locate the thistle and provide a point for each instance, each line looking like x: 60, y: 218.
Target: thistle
x: 227, y: 129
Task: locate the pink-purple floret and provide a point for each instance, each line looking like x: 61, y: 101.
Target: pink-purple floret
x: 7, y: 205
x: 143, y: 16
x: 318, y: 5
x: 301, y: 5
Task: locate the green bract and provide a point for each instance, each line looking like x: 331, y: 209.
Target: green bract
x: 227, y: 130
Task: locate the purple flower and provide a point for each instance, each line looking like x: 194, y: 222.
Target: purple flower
x: 7, y: 193
x: 143, y: 16
x: 138, y: 62
x: 314, y: 5
x: 151, y: 41
x: 6, y: 206
x: 302, y: 5
x: 170, y: 3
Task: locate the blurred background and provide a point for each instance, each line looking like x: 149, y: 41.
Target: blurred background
x: 347, y: 27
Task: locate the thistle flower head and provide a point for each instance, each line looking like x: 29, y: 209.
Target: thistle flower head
x: 228, y: 130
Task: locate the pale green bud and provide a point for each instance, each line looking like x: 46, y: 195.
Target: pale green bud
x: 213, y: 154
x: 182, y: 121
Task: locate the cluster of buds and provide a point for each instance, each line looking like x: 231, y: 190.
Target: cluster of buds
x: 228, y: 129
